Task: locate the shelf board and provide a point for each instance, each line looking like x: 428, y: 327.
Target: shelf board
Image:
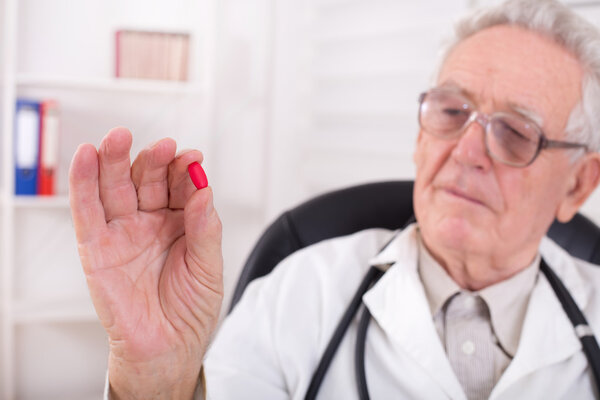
x: 61, y: 201
x: 120, y: 85
x: 55, y: 310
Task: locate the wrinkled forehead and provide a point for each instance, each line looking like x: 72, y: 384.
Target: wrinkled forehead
x: 506, y: 67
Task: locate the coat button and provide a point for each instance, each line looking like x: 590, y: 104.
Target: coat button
x: 468, y: 347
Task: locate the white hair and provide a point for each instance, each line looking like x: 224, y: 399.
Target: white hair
x: 556, y: 21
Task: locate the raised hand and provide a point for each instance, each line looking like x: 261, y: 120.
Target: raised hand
x: 150, y: 246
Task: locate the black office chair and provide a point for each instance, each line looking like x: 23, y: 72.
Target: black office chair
x: 375, y: 205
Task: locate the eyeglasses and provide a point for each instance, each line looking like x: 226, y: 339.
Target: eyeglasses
x: 509, y: 139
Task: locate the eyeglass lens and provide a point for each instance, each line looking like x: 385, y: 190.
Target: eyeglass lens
x: 509, y: 139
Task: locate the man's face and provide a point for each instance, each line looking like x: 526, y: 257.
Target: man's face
x: 470, y: 204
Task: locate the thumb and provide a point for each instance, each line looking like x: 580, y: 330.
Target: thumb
x: 204, y: 256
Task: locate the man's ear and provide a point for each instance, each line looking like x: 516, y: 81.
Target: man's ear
x: 582, y: 183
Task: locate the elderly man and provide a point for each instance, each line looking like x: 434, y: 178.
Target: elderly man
x: 508, y: 142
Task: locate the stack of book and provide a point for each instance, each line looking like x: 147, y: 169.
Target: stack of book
x: 36, y: 146
x: 152, y: 55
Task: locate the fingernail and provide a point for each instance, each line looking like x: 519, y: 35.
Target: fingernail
x: 182, y: 152
x: 153, y: 144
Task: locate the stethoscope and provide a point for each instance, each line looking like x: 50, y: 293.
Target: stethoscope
x: 580, y: 325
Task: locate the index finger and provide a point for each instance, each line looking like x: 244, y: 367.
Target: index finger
x: 84, y: 197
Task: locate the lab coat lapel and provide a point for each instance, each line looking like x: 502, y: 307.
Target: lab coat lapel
x: 399, y: 305
x: 548, y: 336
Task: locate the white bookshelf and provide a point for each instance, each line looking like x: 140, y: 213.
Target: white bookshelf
x: 52, y: 344
x: 57, y: 201
x: 108, y: 84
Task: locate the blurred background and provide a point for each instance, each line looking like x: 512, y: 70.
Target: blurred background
x: 287, y: 99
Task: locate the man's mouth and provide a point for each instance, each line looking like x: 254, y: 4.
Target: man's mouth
x: 462, y: 195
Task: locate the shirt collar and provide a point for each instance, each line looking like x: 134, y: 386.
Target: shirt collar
x: 507, y: 300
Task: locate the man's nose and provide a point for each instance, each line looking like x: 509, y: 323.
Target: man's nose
x: 470, y: 149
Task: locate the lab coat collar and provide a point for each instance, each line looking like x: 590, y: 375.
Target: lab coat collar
x: 548, y: 336
x: 393, y: 249
x: 399, y: 305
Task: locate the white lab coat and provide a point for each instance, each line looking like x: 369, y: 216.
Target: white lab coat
x: 270, y: 345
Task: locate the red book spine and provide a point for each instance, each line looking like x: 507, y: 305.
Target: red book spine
x: 48, y: 153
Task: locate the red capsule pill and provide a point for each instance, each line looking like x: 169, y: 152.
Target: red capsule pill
x: 198, y: 175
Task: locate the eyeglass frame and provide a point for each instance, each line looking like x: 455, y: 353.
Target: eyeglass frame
x: 484, y: 120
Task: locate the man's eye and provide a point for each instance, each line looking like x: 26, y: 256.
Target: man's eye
x: 511, y: 133
x: 452, y: 111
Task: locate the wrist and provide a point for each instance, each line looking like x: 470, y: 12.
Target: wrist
x: 152, y: 380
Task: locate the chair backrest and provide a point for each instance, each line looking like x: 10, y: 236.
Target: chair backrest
x: 375, y: 205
